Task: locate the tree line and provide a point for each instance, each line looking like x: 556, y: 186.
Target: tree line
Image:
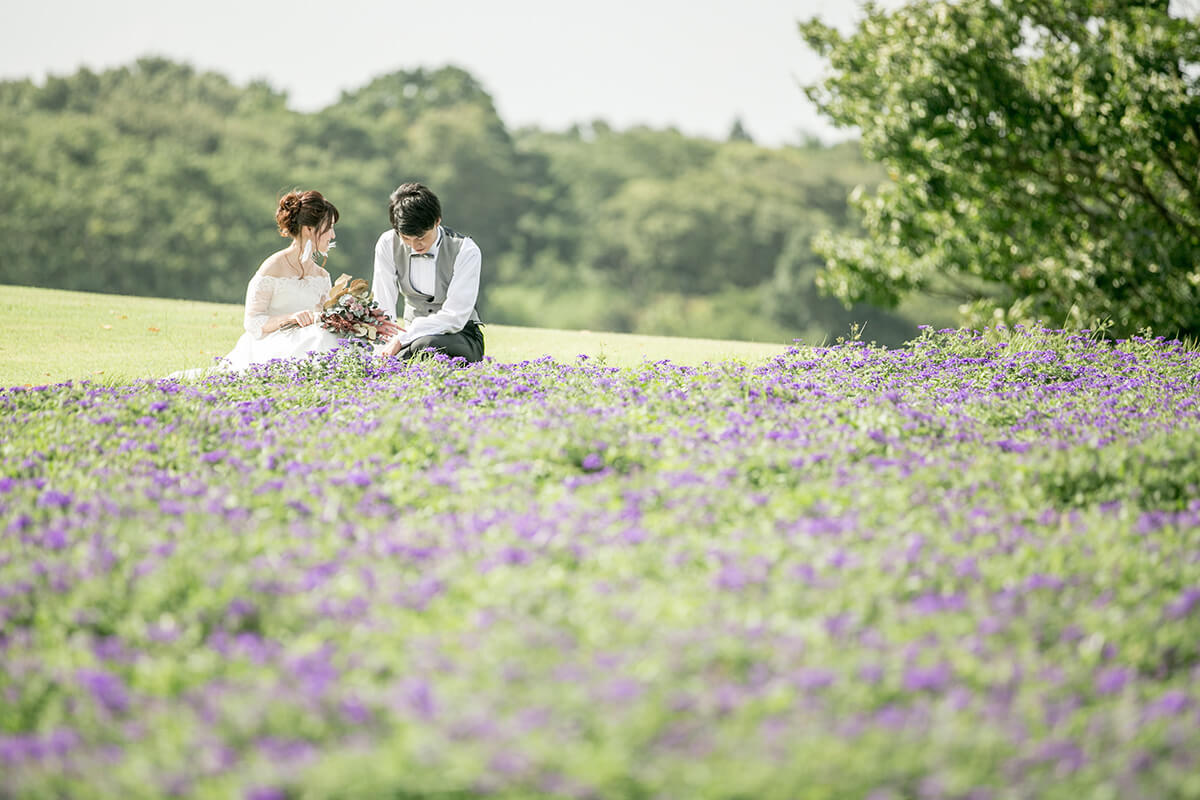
x: 1020, y: 161
x: 160, y: 180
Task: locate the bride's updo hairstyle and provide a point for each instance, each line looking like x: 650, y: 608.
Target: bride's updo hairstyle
x: 304, y: 209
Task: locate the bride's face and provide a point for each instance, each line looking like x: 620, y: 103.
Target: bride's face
x: 322, y: 241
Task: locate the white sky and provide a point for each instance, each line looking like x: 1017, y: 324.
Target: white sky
x: 693, y: 64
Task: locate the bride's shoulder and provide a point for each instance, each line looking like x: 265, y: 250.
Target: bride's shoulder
x: 275, y: 266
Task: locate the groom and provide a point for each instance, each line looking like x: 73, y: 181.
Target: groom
x: 435, y: 271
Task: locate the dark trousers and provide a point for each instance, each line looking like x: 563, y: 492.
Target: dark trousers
x: 467, y: 343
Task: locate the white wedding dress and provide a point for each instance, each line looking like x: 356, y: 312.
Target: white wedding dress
x: 266, y: 297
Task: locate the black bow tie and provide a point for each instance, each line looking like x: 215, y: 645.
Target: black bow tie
x: 421, y: 255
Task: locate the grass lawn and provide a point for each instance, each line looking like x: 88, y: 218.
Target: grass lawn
x: 109, y: 338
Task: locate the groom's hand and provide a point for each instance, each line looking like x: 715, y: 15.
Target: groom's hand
x: 392, y: 348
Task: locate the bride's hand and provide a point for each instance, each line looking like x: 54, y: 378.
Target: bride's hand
x: 303, y: 318
x: 388, y: 329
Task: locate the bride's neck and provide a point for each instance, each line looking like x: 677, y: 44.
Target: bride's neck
x: 295, y: 254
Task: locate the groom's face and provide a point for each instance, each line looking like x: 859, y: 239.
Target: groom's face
x: 422, y: 243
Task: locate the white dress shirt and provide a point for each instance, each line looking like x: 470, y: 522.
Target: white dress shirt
x: 461, y: 294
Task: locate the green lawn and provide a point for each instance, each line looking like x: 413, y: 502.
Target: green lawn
x: 108, y: 338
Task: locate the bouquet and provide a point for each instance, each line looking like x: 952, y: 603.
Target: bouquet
x: 351, y: 311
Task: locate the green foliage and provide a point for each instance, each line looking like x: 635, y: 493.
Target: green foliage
x: 1041, y: 155
x: 731, y: 224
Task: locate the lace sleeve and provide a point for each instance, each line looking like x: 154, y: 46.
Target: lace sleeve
x: 258, y: 300
x: 326, y: 288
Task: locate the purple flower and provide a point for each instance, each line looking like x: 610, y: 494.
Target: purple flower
x: 266, y: 793
x: 1171, y: 703
x: 106, y: 688
x: 19, y: 523
x: 812, y: 678
x: 967, y: 568
x: 633, y: 535
x: 892, y: 717
x: 1043, y: 581
x: 355, y: 712
x: 937, y: 603
x: 240, y: 608
x: 1064, y: 753
x: 934, y: 678
x: 870, y: 673
x: 1112, y: 680
x: 734, y: 577
x: 286, y: 751
x: 515, y: 556
x: 1184, y: 605
x: 356, y: 478
x: 55, y: 538
x: 18, y: 749
x: 620, y: 690
x: 54, y: 499
x: 417, y: 696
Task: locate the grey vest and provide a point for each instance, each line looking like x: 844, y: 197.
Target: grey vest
x: 417, y: 304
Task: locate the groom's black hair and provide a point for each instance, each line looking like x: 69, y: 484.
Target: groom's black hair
x: 414, y: 209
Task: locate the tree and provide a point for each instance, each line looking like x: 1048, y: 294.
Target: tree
x: 738, y: 132
x: 398, y: 97
x: 1042, y: 157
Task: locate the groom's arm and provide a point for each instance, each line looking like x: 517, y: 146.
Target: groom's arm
x: 383, y: 282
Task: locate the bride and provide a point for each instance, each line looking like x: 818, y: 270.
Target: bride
x: 286, y: 292
x: 285, y: 295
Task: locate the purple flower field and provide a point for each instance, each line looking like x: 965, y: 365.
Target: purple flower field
x: 969, y: 568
